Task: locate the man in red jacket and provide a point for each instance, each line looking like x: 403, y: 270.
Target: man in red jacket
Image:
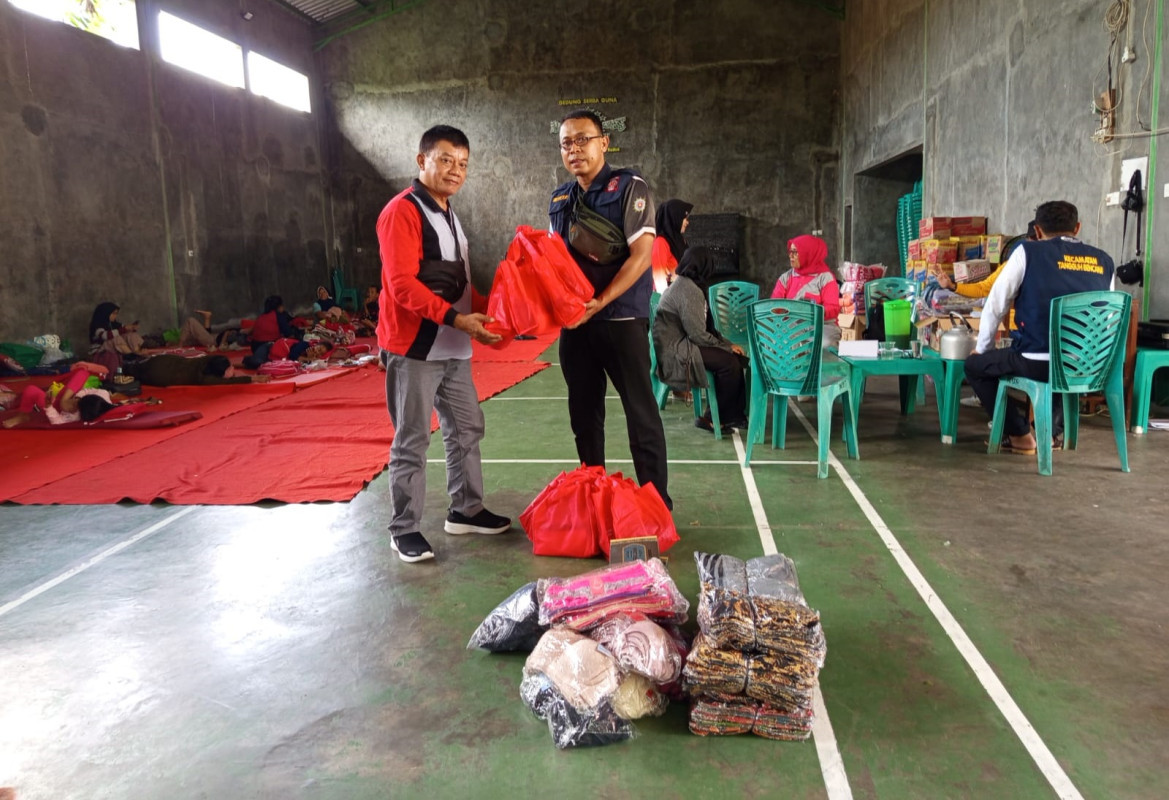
x: 425, y: 327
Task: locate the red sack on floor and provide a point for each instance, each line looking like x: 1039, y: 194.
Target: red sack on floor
x: 636, y: 511
x: 517, y: 303
x: 561, y: 521
x: 565, y: 288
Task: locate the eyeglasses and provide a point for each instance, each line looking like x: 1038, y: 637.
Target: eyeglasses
x: 449, y: 162
x: 579, y: 141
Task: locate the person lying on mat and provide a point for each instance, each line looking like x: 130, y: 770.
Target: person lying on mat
x: 197, y: 333
x: 172, y: 370
x: 69, y: 403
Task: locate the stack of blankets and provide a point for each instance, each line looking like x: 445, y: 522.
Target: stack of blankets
x: 605, y: 647
x: 755, y: 664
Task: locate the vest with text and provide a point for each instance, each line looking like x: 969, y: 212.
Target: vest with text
x: 1055, y: 267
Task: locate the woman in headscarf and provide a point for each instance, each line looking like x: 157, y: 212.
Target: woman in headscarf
x: 687, y: 345
x: 326, y: 308
x: 106, y: 333
x: 671, y: 221
x: 810, y: 279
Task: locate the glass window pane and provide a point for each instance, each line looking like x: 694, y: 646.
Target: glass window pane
x: 115, y: 20
x: 278, y: 82
x: 190, y: 47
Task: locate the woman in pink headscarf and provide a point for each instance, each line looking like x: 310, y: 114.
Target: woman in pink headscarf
x: 810, y: 279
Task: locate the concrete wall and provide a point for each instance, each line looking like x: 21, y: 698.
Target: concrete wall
x: 997, y: 95
x: 731, y: 105
x: 130, y: 180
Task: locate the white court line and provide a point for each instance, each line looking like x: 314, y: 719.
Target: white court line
x: 687, y: 461
x: 1043, y: 757
x: 831, y: 762
x: 97, y: 559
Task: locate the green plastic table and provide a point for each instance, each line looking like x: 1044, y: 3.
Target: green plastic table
x: 908, y: 370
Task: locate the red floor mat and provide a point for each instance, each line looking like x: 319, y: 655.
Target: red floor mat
x: 324, y: 442
x: 33, y: 458
x: 523, y: 350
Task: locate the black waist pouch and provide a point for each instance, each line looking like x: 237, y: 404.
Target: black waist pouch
x: 595, y: 237
x: 447, y: 279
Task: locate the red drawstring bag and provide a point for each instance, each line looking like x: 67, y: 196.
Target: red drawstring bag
x: 564, y: 286
x: 516, y: 304
x: 636, y: 511
x: 561, y: 520
x: 579, y: 512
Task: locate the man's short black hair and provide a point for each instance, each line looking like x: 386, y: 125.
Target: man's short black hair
x: 217, y: 366
x: 1056, y: 217
x: 584, y: 113
x: 441, y: 133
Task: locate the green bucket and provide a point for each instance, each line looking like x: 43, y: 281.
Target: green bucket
x: 897, y: 313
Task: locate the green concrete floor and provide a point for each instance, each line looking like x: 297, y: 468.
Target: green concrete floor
x: 285, y: 652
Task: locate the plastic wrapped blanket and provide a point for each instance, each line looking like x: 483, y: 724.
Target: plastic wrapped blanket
x: 757, y: 605
x: 777, y: 679
x: 728, y: 715
x: 570, y: 726
x: 643, y: 647
x: 513, y: 625
x: 584, y: 601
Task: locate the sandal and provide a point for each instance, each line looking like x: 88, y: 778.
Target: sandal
x: 1006, y: 447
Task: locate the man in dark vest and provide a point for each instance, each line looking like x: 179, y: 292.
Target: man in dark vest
x: 606, y: 216
x: 1036, y: 272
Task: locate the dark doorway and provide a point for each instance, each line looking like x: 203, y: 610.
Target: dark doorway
x: 873, y: 235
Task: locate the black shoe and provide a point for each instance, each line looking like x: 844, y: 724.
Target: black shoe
x: 704, y: 423
x: 483, y: 522
x: 411, y: 547
x: 741, y: 424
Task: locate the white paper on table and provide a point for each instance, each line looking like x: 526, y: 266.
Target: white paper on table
x: 859, y: 348
x: 1159, y: 424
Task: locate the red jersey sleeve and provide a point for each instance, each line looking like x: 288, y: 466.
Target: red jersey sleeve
x: 399, y: 233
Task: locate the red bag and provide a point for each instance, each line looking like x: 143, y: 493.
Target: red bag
x: 564, y: 286
x: 516, y: 303
x: 561, y: 520
x: 579, y: 512
x: 282, y: 368
x: 639, y: 511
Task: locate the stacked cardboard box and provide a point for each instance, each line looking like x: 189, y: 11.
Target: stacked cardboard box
x: 944, y: 241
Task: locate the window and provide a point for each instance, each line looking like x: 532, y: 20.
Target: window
x: 190, y: 47
x: 278, y: 82
x: 116, y: 20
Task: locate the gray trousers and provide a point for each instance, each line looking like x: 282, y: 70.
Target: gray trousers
x: 413, y: 389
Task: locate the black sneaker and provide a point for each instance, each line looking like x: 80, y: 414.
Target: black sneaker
x: 483, y: 522
x: 411, y: 547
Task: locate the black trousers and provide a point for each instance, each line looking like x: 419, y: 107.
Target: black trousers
x: 983, y: 370
x: 618, y: 351
x: 729, y: 387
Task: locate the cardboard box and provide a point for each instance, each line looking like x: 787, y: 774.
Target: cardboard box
x: 971, y: 270
x: 914, y: 249
x: 929, y: 227
x: 970, y: 247
x: 939, y: 252
x: 967, y: 226
x: 852, y: 327
x: 930, y: 329
x: 993, y: 250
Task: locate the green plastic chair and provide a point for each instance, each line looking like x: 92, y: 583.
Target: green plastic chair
x: 344, y: 295
x: 661, y: 391
x: 883, y: 289
x: 729, y: 302
x: 1148, y: 362
x: 1088, y: 335
x: 784, y: 337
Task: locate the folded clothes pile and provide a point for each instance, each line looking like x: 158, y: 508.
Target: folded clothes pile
x: 756, y: 663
